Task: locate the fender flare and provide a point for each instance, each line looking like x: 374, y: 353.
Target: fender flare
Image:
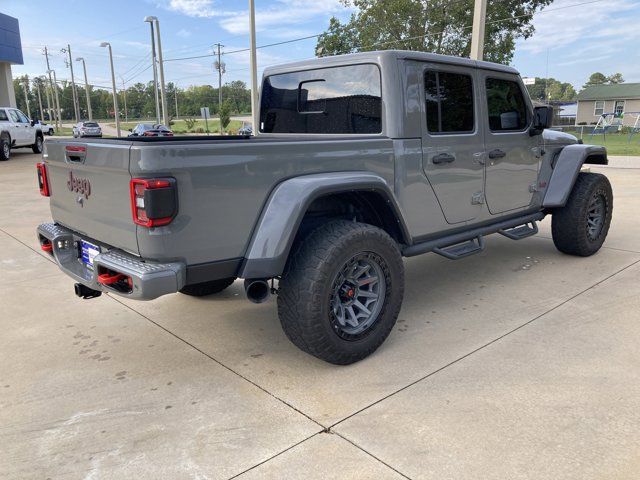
x: 566, y: 170
x: 278, y: 225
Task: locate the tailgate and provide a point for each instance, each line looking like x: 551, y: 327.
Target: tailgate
x: 89, y: 184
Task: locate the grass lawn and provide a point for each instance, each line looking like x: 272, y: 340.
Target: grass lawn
x: 616, y: 143
x: 179, y: 126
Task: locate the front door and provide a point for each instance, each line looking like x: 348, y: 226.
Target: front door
x: 452, y: 140
x: 513, y: 156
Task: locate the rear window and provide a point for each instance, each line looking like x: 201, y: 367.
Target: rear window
x: 333, y: 100
x: 90, y: 124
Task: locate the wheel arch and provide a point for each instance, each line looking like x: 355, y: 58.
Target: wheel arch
x: 566, y: 169
x: 297, y: 203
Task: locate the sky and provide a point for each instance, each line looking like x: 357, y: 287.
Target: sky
x: 571, y: 40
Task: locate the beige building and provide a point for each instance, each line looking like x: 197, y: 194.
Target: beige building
x: 599, y: 99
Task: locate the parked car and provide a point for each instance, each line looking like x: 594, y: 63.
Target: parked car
x: 87, y: 129
x: 16, y: 131
x: 47, y: 129
x: 423, y: 153
x: 150, y: 130
x: 245, y: 130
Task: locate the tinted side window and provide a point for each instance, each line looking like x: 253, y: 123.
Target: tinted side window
x: 3, y: 116
x: 14, y: 116
x: 328, y: 100
x: 449, y: 98
x: 506, y: 106
x: 23, y: 118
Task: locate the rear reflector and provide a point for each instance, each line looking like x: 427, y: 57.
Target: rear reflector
x: 154, y: 201
x: 43, y: 181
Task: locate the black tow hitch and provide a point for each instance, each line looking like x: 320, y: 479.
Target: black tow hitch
x: 85, y: 292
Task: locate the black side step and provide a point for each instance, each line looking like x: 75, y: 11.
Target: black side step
x: 446, y: 241
x: 521, y: 231
x: 461, y: 250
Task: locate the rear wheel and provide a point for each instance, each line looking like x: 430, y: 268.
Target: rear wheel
x: 581, y: 226
x: 341, y: 291
x: 37, y: 147
x: 5, y: 149
x: 207, y: 288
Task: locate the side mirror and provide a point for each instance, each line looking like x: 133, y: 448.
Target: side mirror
x: 542, y: 118
x: 33, y: 123
x: 131, y: 129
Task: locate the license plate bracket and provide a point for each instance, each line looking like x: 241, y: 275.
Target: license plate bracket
x: 88, y: 252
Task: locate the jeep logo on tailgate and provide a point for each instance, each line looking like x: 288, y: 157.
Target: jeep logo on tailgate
x: 79, y: 185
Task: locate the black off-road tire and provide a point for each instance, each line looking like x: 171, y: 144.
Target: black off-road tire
x: 5, y: 149
x: 37, y: 147
x: 305, y: 290
x: 207, y: 288
x: 570, y: 224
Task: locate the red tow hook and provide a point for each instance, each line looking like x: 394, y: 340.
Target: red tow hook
x: 108, y: 279
x: 46, y: 247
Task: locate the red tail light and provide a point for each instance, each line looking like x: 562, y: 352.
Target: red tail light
x: 43, y: 181
x: 154, y: 201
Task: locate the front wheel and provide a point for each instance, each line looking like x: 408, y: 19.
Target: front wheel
x: 341, y: 291
x: 581, y: 226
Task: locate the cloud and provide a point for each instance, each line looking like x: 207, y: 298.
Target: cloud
x: 183, y: 33
x: 281, y: 13
x: 194, y: 8
x: 559, y: 27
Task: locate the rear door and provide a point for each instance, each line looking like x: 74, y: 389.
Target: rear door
x: 513, y: 154
x: 452, y: 140
x: 90, y: 193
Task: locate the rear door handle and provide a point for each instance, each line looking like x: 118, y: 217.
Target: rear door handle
x: 443, y: 158
x: 493, y: 154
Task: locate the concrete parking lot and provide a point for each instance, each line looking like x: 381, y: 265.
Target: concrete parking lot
x: 518, y: 363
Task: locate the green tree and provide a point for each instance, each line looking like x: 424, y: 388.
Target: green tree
x: 552, y: 89
x: 225, y: 114
x: 438, y: 26
x: 616, y: 78
x: 596, y: 79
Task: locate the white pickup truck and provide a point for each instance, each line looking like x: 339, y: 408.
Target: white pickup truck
x: 17, y: 131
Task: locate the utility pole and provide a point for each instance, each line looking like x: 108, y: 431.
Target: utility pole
x: 86, y: 87
x: 57, y: 103
x: 26, y: 95
x: 477, y: 35
x: 254, y: 67
x: 113, y: 83
x: 36, y: 82
x: 220, y: 67
x: 155, y: 70
x: 46, y: 92
x: 55, y: 83
x: 74, y: 94
x: 124, y: 93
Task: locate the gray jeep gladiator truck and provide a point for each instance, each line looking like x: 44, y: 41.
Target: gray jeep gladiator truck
x: 360, y: 160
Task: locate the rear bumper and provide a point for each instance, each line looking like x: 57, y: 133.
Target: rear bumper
x: 149, y: 280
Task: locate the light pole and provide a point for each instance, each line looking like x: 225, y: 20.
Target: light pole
x: 163, y: 93
x: 113, y: 83
x: 254, y: 68
x: 57, y: 99
x: 150, y: 20
x: 36, y: 82
x: 26, y: 95
x: 86, y: 87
